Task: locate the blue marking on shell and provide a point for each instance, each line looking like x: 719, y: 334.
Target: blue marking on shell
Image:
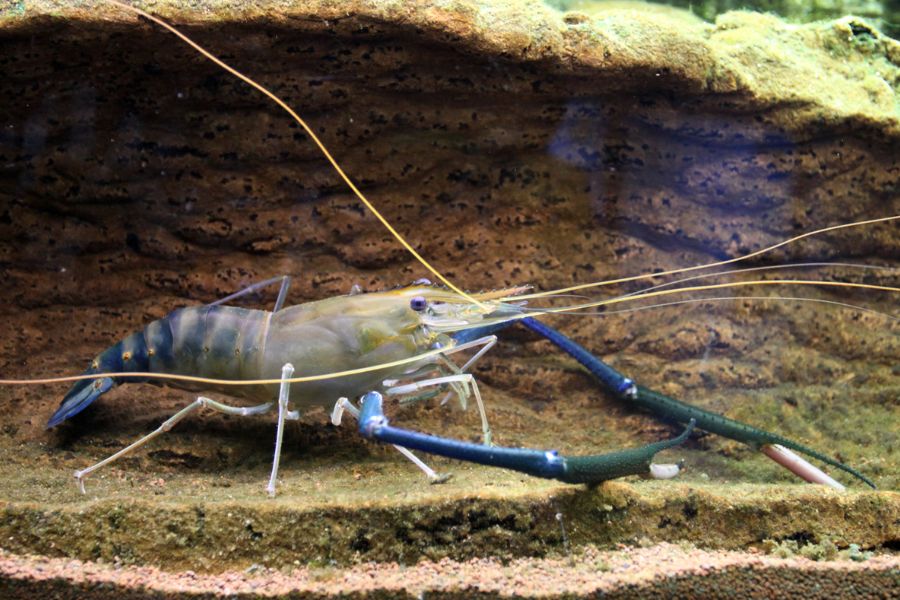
x: 111, y: 359
x: 221, y: 338
x: 84, y: 392
x: 136, y: 346
x: 158, y: 336
x: 183, y: 323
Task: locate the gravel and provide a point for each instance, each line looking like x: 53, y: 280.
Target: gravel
x: 626, y: 572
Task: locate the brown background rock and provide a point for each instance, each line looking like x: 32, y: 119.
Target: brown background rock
x: 511, y: 144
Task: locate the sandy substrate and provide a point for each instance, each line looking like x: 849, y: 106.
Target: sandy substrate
x: 657, y: 571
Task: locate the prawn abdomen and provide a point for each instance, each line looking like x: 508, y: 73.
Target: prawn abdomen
x: 219, y: 342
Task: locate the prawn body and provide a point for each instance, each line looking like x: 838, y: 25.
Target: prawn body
x: 360, y: 334
x: 364, y: 334
x: 341, y: 333
x: 376, y: 341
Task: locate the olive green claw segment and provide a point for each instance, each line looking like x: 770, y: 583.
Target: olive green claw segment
x: 603, y: 467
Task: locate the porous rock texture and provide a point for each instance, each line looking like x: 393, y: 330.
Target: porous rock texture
x: 510, y: 143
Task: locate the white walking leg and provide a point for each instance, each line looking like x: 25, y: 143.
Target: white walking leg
x: 283, y: 393
x: 345, y: 405
x: 467, y: 379
x: 487, y: 342
x: 459, y: 381
x: 200, y: 402
x: 461, y: 391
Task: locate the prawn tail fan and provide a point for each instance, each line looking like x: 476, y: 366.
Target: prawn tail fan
x: 80, y: 397
x: 85, y: 391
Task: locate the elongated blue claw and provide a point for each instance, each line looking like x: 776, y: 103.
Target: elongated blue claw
x: 674, y: 410
x: 548, y: 464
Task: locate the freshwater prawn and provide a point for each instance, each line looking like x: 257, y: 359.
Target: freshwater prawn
x: 366, y: 345
x: 396, y: 343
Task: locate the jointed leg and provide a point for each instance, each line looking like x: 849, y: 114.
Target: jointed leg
x: 345, y: 405
x: 773, y: 445
x: 487, y: 342
x: 200, y: 402
x: 466, y: 379
x: 550, y: 464
x: 282, y: 292
x: 459, y: 380
x: 283, y: 413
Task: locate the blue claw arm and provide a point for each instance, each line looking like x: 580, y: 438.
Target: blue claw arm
x: 548, y: 464
x: 674, y: 410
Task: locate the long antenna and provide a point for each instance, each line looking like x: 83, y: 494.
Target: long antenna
x: 696, y: 288
x: 712, y: 264
x: 309, y: 132
x: 248, y: 80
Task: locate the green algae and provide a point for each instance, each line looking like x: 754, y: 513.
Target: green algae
x: 824, y: 549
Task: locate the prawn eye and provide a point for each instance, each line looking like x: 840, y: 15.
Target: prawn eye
x: 418, y: 303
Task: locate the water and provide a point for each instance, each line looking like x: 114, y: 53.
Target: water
x: 138, y: 178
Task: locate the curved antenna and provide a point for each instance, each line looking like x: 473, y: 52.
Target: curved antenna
x: 669, y: 284
x: 259, y: 87
x: 712, y: 264
x: 623, y: 311
x: 696, y: 288
x: 763, y: 268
